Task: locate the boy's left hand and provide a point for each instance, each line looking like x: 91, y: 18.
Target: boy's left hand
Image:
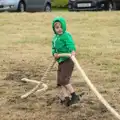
x: 56, y: 56
x: 73, y: 53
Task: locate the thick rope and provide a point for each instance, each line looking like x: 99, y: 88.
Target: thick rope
x: 41, y: 82
x: 92, y: 87
x: 44, y: 86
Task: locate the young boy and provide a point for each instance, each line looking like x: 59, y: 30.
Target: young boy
x: 63, y: 43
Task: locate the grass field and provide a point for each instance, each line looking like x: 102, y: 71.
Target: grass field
x: 25, y: 51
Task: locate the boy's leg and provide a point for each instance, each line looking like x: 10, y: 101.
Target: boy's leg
x: 64, y: 91
x: 61, y: 79
x: 64, y: 73
x: 70, y: 88
x: 60, y: 94
x: 66, y: 95
x: 67, y: 69
x: 63, y: 94
x: 74, y: 98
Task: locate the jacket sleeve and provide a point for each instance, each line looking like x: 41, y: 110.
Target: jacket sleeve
x: 53, y: 48
x: 70, y: 43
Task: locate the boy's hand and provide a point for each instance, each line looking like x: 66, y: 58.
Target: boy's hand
x: 73, y: 53
x: 56, y: 56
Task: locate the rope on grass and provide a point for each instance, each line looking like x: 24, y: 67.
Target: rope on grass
x: 92, y: 87
x: 35, y: 89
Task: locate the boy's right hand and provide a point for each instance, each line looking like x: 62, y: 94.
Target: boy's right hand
x: 56, y: 56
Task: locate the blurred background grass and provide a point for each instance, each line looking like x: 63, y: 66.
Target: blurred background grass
x: 59, y: 4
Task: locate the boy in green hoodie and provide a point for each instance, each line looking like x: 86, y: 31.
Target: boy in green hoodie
x: 63, y: 43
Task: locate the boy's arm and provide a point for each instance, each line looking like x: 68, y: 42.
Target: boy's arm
x: 53, y: 49
x: 70, y: 43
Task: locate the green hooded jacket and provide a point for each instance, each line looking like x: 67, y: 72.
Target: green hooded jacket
x: 62, y: 43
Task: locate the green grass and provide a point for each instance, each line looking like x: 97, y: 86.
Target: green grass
x: 55, y: 9
x: 59, y: 3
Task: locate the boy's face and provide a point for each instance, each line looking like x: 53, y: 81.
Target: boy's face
x: 58, y: 28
